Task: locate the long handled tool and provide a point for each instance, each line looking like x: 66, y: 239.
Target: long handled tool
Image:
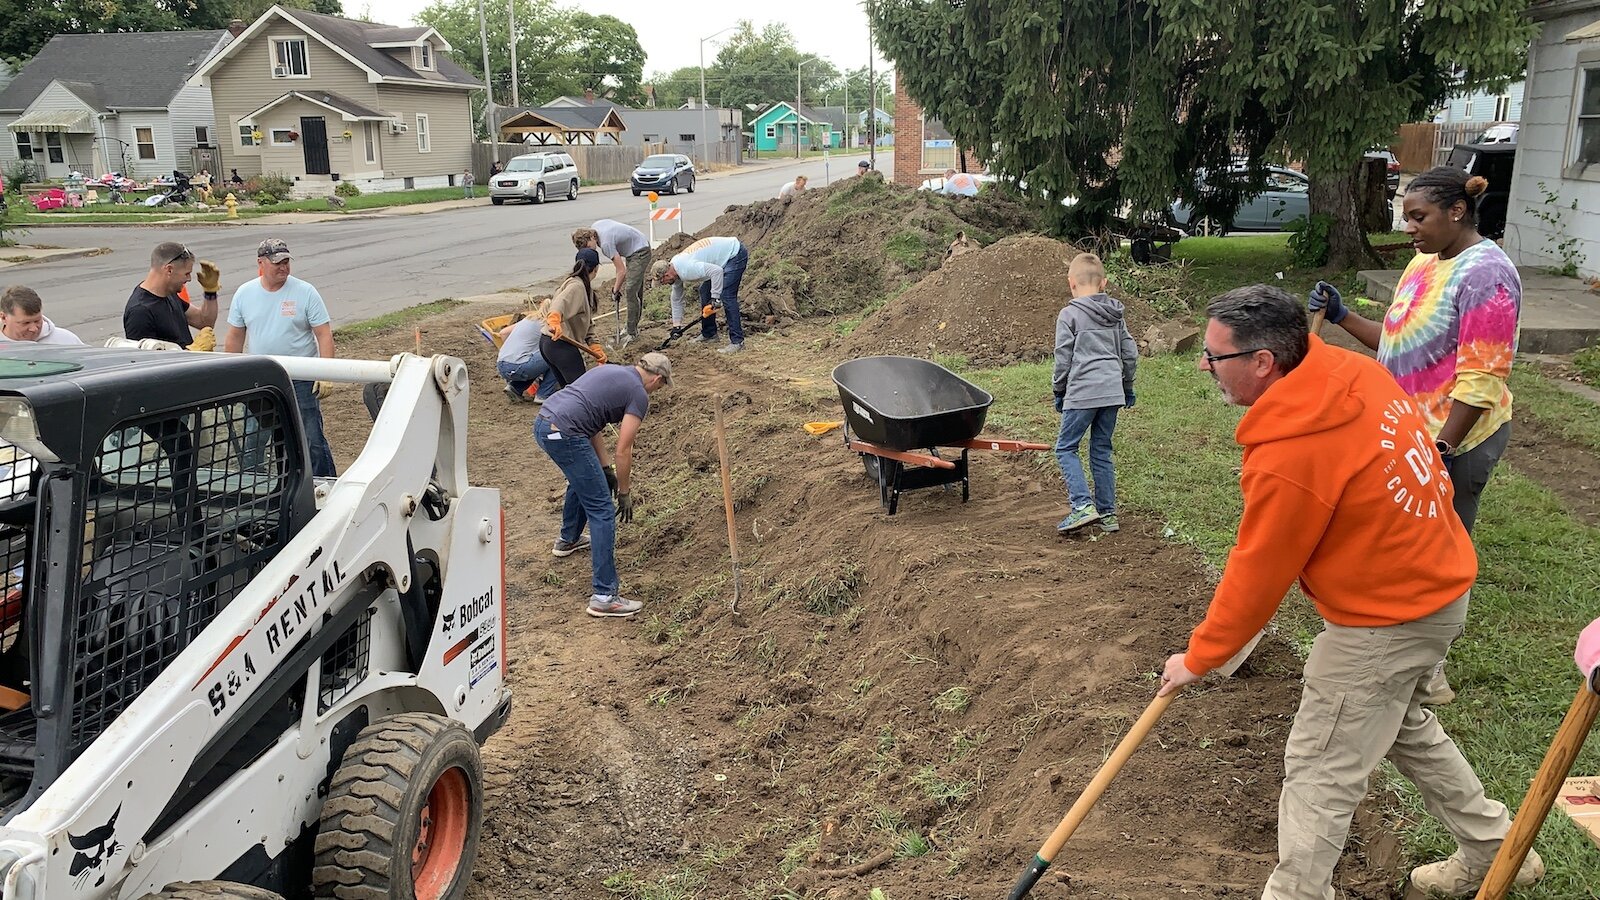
x: 677, y: 331
x: 616, y: 301
x: 727, y: 499
x: 1541, y: 794
x: 1103, y: 778
x: 1316, y: 321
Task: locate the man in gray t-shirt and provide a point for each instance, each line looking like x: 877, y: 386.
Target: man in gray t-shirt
x: 570, y: 429
x: 629, y: 251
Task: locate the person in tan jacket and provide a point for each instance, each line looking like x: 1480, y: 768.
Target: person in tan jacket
x: 569, y: 320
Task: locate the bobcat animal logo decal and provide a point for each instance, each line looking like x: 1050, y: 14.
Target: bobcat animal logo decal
x: 94, y: 850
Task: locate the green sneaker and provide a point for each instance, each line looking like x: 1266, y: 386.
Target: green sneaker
x: 1109, y: 524
x: 1078, y: 518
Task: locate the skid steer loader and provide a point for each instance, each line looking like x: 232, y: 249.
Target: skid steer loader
x: 219, y: 677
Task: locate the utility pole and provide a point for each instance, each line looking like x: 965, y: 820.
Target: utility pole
x: 872, y: 93
x: 511, y: 14
x: 489, y: 123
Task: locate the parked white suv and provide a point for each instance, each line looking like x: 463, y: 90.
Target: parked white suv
x: 535, y: 177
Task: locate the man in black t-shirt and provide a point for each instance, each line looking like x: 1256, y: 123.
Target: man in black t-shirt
x: 155, y: 310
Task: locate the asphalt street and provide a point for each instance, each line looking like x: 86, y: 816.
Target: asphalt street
x: 365, y: 267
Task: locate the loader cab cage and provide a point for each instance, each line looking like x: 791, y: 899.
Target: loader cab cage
x: 158, y: 486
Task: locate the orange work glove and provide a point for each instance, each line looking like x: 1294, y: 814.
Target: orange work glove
x: 599, y: 353
x: 553, y: 322
x: 707, y: 311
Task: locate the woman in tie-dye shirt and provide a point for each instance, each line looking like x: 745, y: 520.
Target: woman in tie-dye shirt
x: 1451, y: 333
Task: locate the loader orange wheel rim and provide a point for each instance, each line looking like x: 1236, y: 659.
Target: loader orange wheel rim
x: 442, y: 836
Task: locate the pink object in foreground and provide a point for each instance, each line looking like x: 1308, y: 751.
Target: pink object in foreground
x: 1587, y: 655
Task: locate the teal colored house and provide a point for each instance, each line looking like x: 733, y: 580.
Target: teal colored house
x: 777, y: 126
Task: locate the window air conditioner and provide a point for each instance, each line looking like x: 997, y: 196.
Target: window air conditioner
x: 399, y: 128
x: 280, y: 71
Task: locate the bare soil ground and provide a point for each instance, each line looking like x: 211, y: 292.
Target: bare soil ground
x: 937, y: 685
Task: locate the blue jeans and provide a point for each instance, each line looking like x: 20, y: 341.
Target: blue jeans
x: 732, y: 274
x: 588, y: 500
x: 305, y: 397
x: 522, y: 375
x: 1099, y: 423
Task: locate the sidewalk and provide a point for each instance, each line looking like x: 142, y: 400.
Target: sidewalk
x: 11, y: 257
x: 1559, y: 315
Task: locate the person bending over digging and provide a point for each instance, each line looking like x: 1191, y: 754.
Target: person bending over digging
x: 570, y: 429
x: 1095, y: 363
x: 569, y: 319
x: 717, y: 264
x: 1449, y: 337
x: 1344, y: 491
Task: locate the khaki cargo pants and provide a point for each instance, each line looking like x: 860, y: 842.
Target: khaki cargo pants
x: 1360, y: 704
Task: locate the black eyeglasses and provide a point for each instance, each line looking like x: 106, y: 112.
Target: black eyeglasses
x: 183, y: 254
x: 1213, y: 360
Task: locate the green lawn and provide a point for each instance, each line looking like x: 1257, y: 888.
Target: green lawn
x: 1539, y: 582
x: 364, y: 201
x: 1219, y: 264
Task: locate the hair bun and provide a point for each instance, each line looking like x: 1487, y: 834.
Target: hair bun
x: 1476, y: 185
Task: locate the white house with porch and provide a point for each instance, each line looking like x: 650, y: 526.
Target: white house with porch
x: 97, y: 103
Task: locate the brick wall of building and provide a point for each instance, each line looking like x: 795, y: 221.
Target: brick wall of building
x: 907, y: 137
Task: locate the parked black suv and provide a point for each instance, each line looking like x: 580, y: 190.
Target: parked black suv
x: 664, y: 173
x: 1494, y: 162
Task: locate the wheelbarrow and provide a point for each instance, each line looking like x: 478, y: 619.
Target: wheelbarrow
x: 898, y: 412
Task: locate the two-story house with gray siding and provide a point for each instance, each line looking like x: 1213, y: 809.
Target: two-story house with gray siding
x: 98, y: 103
x: 1558, y: 147
x: 320, y: 99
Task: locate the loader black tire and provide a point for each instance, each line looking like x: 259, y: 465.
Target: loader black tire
x: 211, y: 890
x: 373, y: 842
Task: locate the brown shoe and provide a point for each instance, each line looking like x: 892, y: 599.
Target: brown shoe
x: 1453, y: 878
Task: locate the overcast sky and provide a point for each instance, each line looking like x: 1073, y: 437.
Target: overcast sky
x: 670, y: 31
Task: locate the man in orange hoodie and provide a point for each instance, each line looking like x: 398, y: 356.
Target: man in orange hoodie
x: 1344, y: 491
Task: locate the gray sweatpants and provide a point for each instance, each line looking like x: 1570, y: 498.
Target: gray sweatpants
x: 633, y: 286
x: 1361, y: 703
x: 1470, y: 471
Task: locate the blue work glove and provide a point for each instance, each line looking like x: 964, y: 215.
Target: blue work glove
x: 1326, y: 297
x: 1129, y: 398
x: 1060, y: 402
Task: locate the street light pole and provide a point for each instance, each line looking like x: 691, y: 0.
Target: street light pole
x: 705, y: 142
x: 872, y: 93
x: 797, y: 98
x: 511, y: 22
x: 489, y: 124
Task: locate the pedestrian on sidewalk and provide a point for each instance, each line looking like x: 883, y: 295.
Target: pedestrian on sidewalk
x: 571, y: 431
x: 630, y: 254
x: 467, y: 181
x: 1344, y: 492
x: 1096, y: 359
x: 520, y: 363
x: 278, y: 314
x: 717, y: 264
x: 1449, y: 337
x: 569, y: 319
x: 22, y: 319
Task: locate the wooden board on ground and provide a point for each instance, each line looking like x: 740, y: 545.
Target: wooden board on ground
x: 1580, y: 800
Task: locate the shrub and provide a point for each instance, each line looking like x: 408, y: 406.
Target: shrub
x: 21, y: 172
x: 272, y: 186
x: 1308, y: 245
x: 1587, y: 362
x: 347, y: 189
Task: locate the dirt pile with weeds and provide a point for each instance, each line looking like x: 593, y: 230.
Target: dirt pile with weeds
x: 838, y: 249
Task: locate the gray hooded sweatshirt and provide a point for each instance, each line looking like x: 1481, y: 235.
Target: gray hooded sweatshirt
x: 1095, y: 355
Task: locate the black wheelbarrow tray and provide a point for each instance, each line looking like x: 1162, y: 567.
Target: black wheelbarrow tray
x: 895, y: 406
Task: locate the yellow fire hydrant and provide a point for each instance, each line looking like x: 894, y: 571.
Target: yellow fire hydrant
x: 233, y: 206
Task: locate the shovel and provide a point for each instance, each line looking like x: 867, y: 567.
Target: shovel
x: 1103, y: 778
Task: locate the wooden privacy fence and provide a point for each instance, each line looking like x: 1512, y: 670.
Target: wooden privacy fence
x: 1423, y: 145
x: 605, y: 164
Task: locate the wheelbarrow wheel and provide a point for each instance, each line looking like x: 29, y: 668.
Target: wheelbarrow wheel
x: 870, y: 463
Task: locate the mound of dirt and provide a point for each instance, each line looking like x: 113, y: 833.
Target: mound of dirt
x: 993, y: 307
x: 837, y: 249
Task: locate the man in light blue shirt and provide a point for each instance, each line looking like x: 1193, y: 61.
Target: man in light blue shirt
x: 280, y: 315
x: 717, y: 264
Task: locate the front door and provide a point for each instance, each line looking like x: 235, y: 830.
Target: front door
x: 314, y: 142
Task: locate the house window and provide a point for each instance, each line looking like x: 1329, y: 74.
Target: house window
x: 370, y: 132
x: 52, y: 146
x: 1502, y: 107
x: 24, y: 145
x: 247, y: 135
x: 1589, y: 118
x: 425, y: 57
x: 146, y: 139
x: 1466, y: 110
x: 280, y: 137
x: 686, y: 138
x: 772, y: 132
x: 424, y: 143
x: 289, y: 58
x: 202, y: 135
x: 652, y: 139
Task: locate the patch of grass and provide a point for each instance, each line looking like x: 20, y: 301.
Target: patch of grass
x: 364, y: 201
x: 908, y: 248
x: 941, y: 790
x: 1574, y: 418
x: 1538, y: 584
x: 955, y: 362
x: 796, y: 854
x: 1218, y: 264
x: 684, y: 884
x: 1587, y: 362
x: 911, y: 845
x: 830, y: 593
x: 396, y: 319
x: 953, y: 700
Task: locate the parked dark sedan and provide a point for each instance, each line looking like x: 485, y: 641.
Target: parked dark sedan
x: 1494, y: 162
x: 664, y: 173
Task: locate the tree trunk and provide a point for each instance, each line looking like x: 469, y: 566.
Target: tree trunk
x: 1333, y: 194
x: 1377, y: 209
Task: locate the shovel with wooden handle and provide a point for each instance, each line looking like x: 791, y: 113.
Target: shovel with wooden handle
x: 1103, y: 778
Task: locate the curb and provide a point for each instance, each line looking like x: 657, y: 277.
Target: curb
x: 56, y: 257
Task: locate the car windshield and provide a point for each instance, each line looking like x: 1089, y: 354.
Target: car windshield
x: 526, y: 164
x: 659, y: 162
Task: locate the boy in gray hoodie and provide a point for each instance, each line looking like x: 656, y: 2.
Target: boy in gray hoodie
x: 1095, y: 362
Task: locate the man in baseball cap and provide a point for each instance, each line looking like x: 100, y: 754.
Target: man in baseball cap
x: 280, y: 315
x: 863, y: 167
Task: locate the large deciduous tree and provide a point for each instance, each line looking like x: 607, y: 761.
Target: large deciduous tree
x: 755, y: 67
x: 1122, y: 103
x: 27, y: 25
